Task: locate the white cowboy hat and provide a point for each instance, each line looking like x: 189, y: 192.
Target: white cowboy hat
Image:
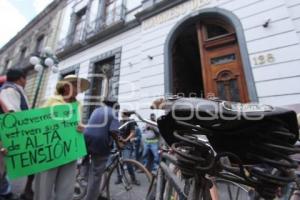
x: 82, y: 82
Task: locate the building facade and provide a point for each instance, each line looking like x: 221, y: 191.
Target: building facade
x: 235, y: 49
x: 138, y: 50
x: 41, y: 32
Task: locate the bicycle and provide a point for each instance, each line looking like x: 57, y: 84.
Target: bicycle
x: 292, y: 191
x: 258, y: 149
x: 118, y: 166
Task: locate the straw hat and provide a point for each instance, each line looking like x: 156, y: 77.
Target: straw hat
x: 84, y: 83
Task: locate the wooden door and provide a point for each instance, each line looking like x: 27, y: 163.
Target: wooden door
x: 222, y: 69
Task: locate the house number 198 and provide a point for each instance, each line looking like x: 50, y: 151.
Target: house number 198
x: 264, y: 59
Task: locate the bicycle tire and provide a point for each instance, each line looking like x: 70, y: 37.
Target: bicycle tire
x: 228, y: 190
x: 136, y: 192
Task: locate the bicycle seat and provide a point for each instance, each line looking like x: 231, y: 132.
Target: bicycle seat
x: 234, y: 127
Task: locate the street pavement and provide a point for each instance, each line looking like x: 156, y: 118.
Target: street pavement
x: 138, y: 192
x: 117, y: 191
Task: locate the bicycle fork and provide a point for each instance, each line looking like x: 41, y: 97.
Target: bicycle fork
x: 123, y: 176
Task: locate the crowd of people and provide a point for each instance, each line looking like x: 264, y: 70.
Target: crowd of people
x: 102, y: 127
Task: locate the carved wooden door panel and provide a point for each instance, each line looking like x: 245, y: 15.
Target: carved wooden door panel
x: 221, y: 64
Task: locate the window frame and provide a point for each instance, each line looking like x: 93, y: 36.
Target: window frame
x: 39, y: 44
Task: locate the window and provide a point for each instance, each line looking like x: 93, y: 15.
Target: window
x: 113, y: 11
x: 79, y: 25
x: 102, y: 85
x: 6, y: 66
x: 223, y: 59
x: 213, y: 30
x: 6, y: 63
x: 227, y: 86
x: 68, y: 73
x: 39, y: 44
x: 23, y: 53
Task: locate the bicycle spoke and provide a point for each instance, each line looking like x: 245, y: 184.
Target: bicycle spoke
x: 237, y: 194
x: 229, y: 192
x: 132, y: 186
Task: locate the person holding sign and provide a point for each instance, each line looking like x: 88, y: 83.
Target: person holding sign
x: 61, y: 180
x: 13, y: 99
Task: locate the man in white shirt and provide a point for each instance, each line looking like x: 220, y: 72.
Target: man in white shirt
x: 12, y: 91
x: 13, y: 97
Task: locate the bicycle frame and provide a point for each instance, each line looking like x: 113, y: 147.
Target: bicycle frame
x: 187, y: 189
x: 115, y: 159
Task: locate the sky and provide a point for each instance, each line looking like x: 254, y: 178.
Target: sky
x: 15, y: 14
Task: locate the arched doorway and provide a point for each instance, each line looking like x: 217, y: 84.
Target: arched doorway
x: 207, y: 56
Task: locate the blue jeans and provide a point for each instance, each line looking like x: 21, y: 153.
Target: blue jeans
x: 153, y: 148
x: 5, y: 186
x: 137, y: 149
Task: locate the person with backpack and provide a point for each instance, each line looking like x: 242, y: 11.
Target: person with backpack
x: 13, y: 99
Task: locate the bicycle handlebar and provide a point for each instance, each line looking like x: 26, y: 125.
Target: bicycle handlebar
x: 147, y: 121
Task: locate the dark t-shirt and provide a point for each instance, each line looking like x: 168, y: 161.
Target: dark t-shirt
x: 125, y: 131
x: 102, y: 123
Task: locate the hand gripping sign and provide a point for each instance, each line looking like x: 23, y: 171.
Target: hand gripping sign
x: 41, y: 139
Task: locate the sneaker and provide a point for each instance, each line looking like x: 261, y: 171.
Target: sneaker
x: 136, y: 182
x: 118, y: 181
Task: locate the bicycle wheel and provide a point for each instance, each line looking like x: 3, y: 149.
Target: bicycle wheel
x: 131, y: 186
x: 228, y: 190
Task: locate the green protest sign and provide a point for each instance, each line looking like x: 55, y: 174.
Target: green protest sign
x: 41, y: 139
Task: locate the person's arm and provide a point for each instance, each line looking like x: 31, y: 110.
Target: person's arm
x: 114, y: 131
x: 3, y: 106
x: 132, y: 132
x: 6, y: 109
x: 130, y: 136
x: 11, y: 99
x: 80, y: 127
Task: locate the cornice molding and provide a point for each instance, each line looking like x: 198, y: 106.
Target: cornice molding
x: 157, y: 8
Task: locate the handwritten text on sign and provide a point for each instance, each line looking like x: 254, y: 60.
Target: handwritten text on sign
x: 41, y: 139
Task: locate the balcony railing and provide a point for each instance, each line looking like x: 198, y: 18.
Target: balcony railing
x: 114, y: 16
x: 75, y: 38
